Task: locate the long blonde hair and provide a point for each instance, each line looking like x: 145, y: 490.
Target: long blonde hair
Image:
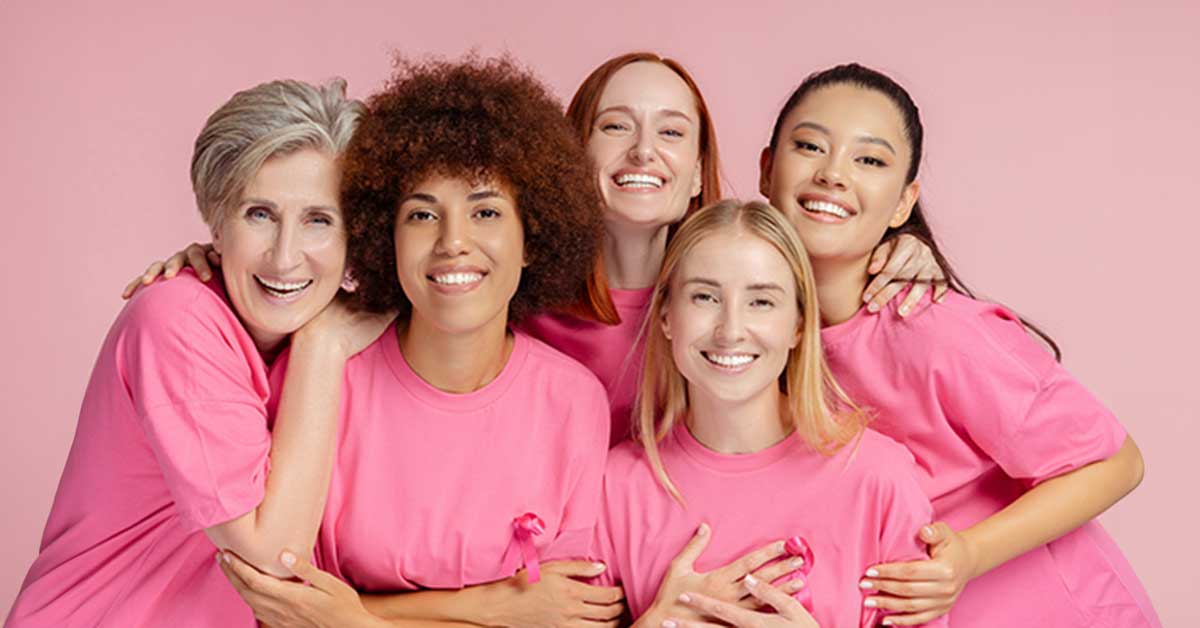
x: 823, y: 415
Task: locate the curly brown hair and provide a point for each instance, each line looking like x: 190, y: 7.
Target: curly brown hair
x: 478, y: 120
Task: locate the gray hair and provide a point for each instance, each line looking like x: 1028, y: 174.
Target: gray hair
x: 257, y: 124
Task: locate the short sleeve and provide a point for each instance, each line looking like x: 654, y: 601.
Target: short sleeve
x: 590, y: 416
x: 905, y: 509
x: 602, y: 545
x: 199, y: 388
x: 1021, y: 407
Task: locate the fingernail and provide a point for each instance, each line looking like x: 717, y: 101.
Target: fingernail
x: 218, y: 557
x: 865, y: 584
x: 225, y: 556
x: 797, y: 584
x: 870, y: 602
x: 872, y: 308
x: 904, y: 312
x: 287, y: 558
x: 669, y: 624
x: 887, y: 621
x: 702, y: 530
x: 866, y: 297
x: 796, y: 562
x: 685, y: 598
x: 750, y: 581
x: 873, y: 572
x: 927, y: 531
x: 599, y: 566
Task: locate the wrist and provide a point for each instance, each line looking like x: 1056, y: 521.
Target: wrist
x: 973, y: 552
x: 319, y: 343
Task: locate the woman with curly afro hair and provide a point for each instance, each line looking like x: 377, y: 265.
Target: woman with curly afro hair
x: 468, y: 452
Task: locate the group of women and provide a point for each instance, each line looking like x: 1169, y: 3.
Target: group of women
x: 489, y: 365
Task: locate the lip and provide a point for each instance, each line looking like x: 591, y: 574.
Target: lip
x: 729, y: 370
x: 276, y: 297
x: 822, y: 216
x: 612, y: 179
x: 456, y: 288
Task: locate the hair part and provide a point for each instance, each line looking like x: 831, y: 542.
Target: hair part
x: 823, y: 415
x: 917, y: 225
x: 271, y: 119
x: 596, y: 303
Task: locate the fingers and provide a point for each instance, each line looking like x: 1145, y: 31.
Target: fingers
x: 936, y: 532
x: 593, y: 594
x: 779, y: 569
x: 574, y: 568
x: 785, y: 604
x: 689, y: 623
x: 917, y: 570
x: 254, y: 579
x: 913, y: 619
x: 904, y: 604
x: 933, y: 589
x: 940, y: 288
x: 790, y: 587
x: 886, y: 294
x: 686, y: 559
x: 131, y: 287
x: 909, y: 304
x: 303, y: 569
x: 755, y: 559
x: 880, y: 256
x: 712, y: 607
x: 603, y: 612
x: 197, y: 258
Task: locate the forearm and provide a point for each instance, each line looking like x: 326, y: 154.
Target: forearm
x: 1054, y: 508
x: 302, y: 444
x: 470, y: 606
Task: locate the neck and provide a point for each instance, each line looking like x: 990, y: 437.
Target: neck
x: 456, y: 362
x: 633, y: 256
x: 741, y: 427
x: 840, y: 286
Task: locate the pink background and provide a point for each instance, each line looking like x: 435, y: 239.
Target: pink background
x: 1061, y: 149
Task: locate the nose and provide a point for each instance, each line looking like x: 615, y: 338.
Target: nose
x: 286, y: 251
x: 453, y: 237
x: 831, y: 174
x: 642, y: 150
x: 729, y: 329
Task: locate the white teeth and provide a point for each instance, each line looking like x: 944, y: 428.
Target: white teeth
x: 729, y: 360
x: 827, y: 208
x: 282, y: 288
x: 457, y: 279
x: 637, y: 180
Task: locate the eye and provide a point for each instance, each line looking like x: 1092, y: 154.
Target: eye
x: 873, y: 161
x: 703, y: 297
x: 614, y: 126
x: 258, y: 213
x: 806, y: 146
x: 487, y: 213
x: 762, y: 303
x: 321, y: 219
x: 676, y: 133
x: 421, y: 215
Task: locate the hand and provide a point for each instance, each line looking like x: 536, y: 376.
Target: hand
x: 909, y: 261
x: 201, y: 257
x: 558, y: 599
x: 925, y: 589
x: 349, y: 331
x: 725, y: 583
x: 790, y: 613
x: 325, y: 602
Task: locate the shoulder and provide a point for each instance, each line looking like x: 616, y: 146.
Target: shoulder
x: 874, y: 452
x: 183, y: 305
x: 559, y: 367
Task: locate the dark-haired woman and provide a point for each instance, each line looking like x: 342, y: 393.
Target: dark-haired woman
x: 1017, y: 457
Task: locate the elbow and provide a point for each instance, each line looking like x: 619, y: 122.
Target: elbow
x: 1134, y: 464
x: 259, y: 548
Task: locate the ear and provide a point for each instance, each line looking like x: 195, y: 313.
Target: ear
x: 908, y: 199
x: 764, y: 172
x: 216, y: 241
x: 665, y: 325
x: 698, y: 179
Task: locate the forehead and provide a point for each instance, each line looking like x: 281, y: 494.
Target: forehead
x: 736, y: 257
x: 303, y: 177
x: 850, y: 110
x: 442, y: 184
x: 648, y: 85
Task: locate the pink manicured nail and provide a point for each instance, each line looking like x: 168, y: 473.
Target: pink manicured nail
x: 873, y: 573
x: 685, y: 598
x: 751, y: 581
x: 287, y: 558
x: 870, y: 602
x: 669, y: 624
x: 873, y: 308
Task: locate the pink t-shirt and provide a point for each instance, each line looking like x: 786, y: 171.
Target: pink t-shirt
x: 860, y: 506
x: 172, y: 438
x: 988, y: 413
x: 612, y: 352
x: 426, y: 484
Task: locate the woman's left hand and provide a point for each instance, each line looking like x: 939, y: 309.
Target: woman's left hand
x: 320, y: 601
x: 924, y: 589
x: 899, y: 262
x: 790, y: 613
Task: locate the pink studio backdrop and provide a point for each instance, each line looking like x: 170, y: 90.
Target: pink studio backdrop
x: 1058, y: 138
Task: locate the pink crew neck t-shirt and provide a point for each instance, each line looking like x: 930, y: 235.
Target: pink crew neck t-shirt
x: 173, y: 438
x: 426, y: 484
x: 988, y: 413
x: 612, y: 352
x: 861, y: 506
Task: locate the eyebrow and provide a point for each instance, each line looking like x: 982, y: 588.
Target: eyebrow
x: 271, y: 205
x: 674, y: 113
x: 869, y: 139
x: 472, y: 197
x: 754, y: 286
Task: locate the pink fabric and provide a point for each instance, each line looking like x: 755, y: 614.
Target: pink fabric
x: 861, y: 506
x: 612, y: 352
x: 427, y: 484
x: 172, y: 438
x: 987, y: 413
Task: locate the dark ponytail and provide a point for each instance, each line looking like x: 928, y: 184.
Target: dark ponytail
x: 916, y: 226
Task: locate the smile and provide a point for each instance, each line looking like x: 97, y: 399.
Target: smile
x: 456, y: 281
x: 729, y: 361
x: 825, y: 207
x: 638, y: 180
x: 282, y: 289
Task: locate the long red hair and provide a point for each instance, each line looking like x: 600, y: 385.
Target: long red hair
x: 597, y: 303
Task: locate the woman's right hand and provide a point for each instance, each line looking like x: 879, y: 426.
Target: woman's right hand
x: 558, y: 599
x: 725, y: 583
x: 345, y: 330
x: 789, y: 613
x: 201, y: 257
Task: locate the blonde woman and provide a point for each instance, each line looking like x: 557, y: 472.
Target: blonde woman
x: 746, y: 439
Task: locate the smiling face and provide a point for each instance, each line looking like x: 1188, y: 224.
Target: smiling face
x: 283, y: 246
x: 838, y: 171
x: 732, y: 316
x: 460, y: 248
x: 645, y: 144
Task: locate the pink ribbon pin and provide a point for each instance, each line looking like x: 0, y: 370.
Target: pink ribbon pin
x: 525, y: 528
x: 797, y: 546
